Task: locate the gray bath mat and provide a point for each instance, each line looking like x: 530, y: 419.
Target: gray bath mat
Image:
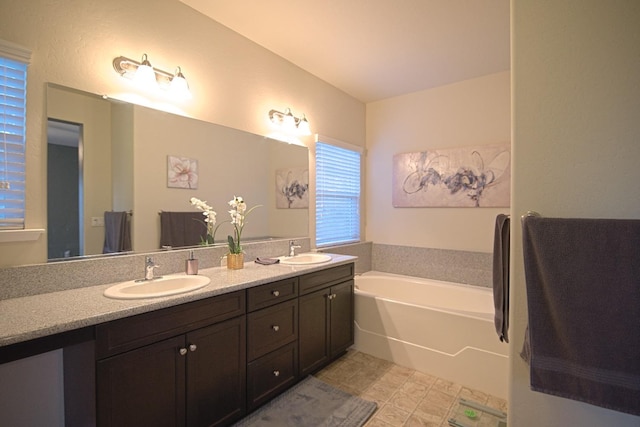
x: 312, y: 403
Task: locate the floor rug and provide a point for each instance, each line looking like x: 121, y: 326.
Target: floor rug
x: 311, y: 403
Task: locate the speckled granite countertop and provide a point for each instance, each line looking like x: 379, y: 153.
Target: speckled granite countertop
x: 26, y: 318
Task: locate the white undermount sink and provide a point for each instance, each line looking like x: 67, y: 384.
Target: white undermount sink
x: 160, y: 287
x: 303, y: 259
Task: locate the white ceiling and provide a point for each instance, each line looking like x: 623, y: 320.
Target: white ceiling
x: 375, y: 49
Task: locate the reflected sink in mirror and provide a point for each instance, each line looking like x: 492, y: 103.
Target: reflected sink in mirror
x: 160, y: 287
x: 303, y: 259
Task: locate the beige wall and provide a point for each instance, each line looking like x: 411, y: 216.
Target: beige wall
x: 234, y: 81
x: 576, y: 142
x: 468, y: 113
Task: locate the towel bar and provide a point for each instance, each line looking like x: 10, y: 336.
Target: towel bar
x: 530, y: 214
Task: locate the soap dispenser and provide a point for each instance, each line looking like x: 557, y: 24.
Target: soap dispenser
x: 191, y: 264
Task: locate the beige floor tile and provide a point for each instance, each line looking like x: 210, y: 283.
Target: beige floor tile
x: 422, y: 378
x: 447, y: 387
x: 435, y: 404
x: 391, y: 415
x: 415, y: 388
x: 405, y: 397
x: 423, y: 421
x: 378, y: 393
x: 375, y: 422
x: 405, y: 401
x: 474, y: 395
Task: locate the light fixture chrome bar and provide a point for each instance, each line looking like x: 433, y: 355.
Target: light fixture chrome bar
x: 127, y: 67
x: 300, y: 125
x: 147, y: 75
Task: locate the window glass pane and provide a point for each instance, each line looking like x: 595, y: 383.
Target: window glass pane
x: 337, y: 195
x: 13, y: 85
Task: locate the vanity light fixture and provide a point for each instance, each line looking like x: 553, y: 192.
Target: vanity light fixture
x: 290, y: 123
x: 145, y: 75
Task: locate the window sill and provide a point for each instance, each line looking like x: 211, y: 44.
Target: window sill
x: 29, y: 235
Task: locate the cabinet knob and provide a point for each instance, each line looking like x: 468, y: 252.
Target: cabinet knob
x: 193, y: 347
x: 276, y: 373
x: 276, y: 328
x: 275, y: 293
x: 183, y: 351
x: 333, y: 296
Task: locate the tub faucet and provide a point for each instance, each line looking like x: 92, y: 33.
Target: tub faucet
x: 149, y: 267
x: 293, y: 247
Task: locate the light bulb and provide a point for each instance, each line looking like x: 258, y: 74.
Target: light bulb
x: 179, y: 87
x: 145, y: 76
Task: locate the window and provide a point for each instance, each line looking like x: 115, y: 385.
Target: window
x: 337, y: 194
x: 13, y: 91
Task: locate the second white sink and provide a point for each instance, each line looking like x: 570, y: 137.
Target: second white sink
x: 302, y: 259
x: 160, y: 287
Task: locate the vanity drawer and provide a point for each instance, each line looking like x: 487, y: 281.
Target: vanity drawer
x: 324, y: 278
x: 126, y: 334
x: 271, y: 374
x: 271, y: 293
x: 272, y: 327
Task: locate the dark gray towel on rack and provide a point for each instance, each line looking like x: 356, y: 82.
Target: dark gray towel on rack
x: 117, y: 232
x: 501, y: 276
x: 182, y: 229
x: 583, y: 292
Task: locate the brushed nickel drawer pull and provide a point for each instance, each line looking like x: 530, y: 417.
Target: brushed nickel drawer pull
x: 276, y: 373
x: 276, y: 328
x: 183, y: 351
x: 275, y: 293
x: 193, y: 347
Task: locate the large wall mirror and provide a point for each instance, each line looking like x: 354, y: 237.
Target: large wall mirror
x: 106, y: 155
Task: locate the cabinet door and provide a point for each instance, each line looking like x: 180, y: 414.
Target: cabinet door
x: 341, y: 329
x: 313, y: 330
x: 144, y: 387
x: 216, y: 374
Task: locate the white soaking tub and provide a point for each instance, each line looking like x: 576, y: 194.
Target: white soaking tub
x: 441, y: 328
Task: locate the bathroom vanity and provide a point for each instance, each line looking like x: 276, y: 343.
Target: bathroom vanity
x: 211, y: 360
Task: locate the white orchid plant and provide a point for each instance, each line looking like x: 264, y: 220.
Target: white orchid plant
x: 209, y: 220
x: 238, y: 214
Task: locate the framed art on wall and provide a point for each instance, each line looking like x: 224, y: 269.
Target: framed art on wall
x: 477, y: 176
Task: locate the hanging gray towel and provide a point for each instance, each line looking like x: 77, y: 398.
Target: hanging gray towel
x: 117, y: 232
x: 182, y: 229
x: 583, y: 292
x: 501, y: 276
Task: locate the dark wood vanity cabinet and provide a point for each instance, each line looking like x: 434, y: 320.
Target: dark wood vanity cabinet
x: 196, y: 378
x: 210, y: 362
x: 272, y: 340
x: 326, y: 317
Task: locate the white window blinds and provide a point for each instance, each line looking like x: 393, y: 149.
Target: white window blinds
x: 13, y: 93
x: 337, y: 195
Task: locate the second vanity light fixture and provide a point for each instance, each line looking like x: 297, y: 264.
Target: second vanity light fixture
x: 150, y: 78
x: 290, y: 123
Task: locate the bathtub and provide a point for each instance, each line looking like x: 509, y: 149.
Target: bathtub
x: 441, y: 328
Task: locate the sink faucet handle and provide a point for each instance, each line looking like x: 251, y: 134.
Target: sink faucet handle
x: 293, y: 247
x: 149, y: 268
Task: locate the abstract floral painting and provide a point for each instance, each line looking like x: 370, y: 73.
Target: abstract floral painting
x: 453, y: 177
x: 292, y: 188
x: 182, y: 172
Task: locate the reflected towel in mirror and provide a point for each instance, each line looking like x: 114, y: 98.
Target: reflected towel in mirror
x: 182, y: 229
x: 117, y: 232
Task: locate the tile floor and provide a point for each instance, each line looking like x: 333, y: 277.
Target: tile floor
x: 405, y: 397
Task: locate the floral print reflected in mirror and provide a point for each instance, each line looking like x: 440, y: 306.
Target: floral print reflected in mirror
x: 182, y: 172
x: 292, y: 188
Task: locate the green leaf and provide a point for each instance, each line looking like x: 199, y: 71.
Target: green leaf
x: 232, y: 245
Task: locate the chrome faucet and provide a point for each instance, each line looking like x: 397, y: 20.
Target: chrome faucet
x: 293, y: 247
x: 149, y: 267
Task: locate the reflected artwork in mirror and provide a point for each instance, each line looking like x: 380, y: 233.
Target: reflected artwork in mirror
x: 108, y: 156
